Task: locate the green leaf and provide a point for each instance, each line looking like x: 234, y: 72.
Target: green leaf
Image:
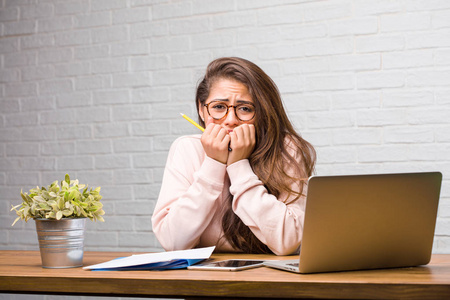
x: 65, y: 185
x: 26, y: 210
x: 72, y: 194
x: 24, y: 198
x: 15, y: 207
x: 67, y: 178
x: 60, y: 203
x: 67, y: 212
x: 39, y: 198
x: 17, y: 219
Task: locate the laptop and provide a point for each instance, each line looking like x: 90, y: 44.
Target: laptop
x: 358, y: 222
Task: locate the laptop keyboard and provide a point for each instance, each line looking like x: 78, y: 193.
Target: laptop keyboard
x: 293, y: 264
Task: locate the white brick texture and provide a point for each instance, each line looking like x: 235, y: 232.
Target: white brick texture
x: 94, y: 88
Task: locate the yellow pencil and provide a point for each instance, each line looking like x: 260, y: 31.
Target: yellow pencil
x: 192, y: 122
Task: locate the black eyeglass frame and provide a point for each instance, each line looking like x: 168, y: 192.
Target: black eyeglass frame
x: 228, y: 110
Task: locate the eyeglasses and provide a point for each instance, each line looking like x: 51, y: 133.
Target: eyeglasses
x: 219, y: 110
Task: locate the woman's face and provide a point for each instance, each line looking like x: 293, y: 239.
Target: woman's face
x: 226, y: 92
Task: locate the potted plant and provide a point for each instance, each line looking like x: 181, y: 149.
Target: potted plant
x: 60, y: 213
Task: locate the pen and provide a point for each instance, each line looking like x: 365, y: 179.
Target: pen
x: 196, y: 125
x: 192, y: 122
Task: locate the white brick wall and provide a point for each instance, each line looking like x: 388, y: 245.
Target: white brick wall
x: 94, y: 88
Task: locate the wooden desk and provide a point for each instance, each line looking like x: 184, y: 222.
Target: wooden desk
x: 21, y: 272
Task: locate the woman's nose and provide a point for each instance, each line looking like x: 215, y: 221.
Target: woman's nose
x: 231, y: 117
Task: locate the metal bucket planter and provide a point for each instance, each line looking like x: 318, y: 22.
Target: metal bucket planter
x: 61, y: 242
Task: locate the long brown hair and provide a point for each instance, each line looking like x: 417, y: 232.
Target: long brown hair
x: 271, y: 154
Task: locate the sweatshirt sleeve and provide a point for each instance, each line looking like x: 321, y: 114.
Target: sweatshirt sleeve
x: 278, y: 223
x: 192, y: 183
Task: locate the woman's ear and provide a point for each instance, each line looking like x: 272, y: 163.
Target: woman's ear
x: 200, y: 112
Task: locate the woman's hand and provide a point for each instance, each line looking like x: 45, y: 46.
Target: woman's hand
x: 215, y: 141
x: 242, y: 143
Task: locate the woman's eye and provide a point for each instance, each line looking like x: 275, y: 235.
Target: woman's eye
x: 219, y: 106
x: 245, y: 108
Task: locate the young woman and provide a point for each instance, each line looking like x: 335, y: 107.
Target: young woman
x: 241, y: 185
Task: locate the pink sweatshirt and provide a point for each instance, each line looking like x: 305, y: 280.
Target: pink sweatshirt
x: 189, y: 211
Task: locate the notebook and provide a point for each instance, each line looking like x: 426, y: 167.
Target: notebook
x: 357, y: 222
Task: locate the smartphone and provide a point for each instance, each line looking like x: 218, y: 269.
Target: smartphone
x: 228, y: 265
